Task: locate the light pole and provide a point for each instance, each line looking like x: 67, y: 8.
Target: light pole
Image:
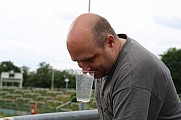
x: 52, y: 85
x: 89, y: 6
x: 21, y: 80
x: 66, y: 81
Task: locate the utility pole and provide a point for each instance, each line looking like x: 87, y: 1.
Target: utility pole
x: 66, y: 81
x: 89, y: 6
x: 52, y: 85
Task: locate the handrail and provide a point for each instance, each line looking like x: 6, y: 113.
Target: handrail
x: 73, y: 115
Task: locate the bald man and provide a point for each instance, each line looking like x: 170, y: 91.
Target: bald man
x: 132, y: 83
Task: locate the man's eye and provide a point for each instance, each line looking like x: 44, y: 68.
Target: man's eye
x: 90, y: 59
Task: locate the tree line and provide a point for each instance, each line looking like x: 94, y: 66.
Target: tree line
x: 172, y: 59
x: 42, y: 77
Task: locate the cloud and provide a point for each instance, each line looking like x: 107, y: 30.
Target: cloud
x: 173, y: 22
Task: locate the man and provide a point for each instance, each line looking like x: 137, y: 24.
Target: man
x: 132, y: 83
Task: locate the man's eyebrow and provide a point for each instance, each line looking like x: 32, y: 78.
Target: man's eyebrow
x: 84, y: 59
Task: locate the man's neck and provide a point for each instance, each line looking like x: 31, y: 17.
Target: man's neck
x: 121, y: 43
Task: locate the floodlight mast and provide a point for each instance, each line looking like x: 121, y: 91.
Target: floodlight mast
x: 52, y: 85
x: 89, y: 6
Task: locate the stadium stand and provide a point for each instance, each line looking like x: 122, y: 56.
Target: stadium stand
x: 46, y: 100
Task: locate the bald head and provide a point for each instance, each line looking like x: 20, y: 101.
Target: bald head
x: 93, y: 25
x: 82, y: 25
x: 84, y: 21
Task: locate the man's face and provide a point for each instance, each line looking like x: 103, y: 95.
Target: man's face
x: 90, y: 57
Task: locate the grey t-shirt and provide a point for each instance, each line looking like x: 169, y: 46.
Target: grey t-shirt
x: 139, y: 87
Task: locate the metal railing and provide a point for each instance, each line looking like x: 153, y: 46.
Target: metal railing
x: 73, y: 115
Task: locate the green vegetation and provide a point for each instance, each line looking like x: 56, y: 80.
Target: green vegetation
x: 172, y: 58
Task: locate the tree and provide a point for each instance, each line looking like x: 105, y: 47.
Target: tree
x: 7, y: 66
x: 43, y: 77
x: 25, y: 71
x: 40, y: 78
x: 172, y: 59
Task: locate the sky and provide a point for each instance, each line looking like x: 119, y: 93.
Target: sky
x: 35, y: 31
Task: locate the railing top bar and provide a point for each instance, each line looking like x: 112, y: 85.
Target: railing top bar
x: 73, y: 115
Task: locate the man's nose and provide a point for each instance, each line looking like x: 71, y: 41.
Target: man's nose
x: 85, y: 67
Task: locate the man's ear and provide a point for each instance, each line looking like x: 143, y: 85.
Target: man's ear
x: 110, y: 41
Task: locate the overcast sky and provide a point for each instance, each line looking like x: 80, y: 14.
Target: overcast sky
x: 34, y: 31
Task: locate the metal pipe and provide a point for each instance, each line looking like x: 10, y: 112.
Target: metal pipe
x: 73, y: 115
x: 52, y: 85
x: 89, y: 6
